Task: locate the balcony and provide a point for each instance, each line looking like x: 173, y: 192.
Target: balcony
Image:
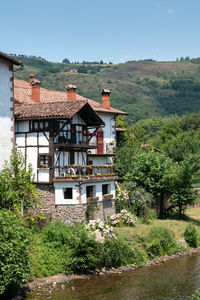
x: 74, y: 137
x: 108, y: 149
x: 84, y: 173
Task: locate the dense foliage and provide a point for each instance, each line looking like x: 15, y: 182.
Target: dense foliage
x: 191, y: 236
x: 17, y: 190
x: 162, y: 241
x: 14, y: 262
x: 74, y: 249
x: 164, y: 160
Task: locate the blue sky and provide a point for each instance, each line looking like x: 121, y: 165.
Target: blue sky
x: 111, y: 30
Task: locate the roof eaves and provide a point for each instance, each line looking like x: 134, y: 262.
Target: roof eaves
x: 10, y: 59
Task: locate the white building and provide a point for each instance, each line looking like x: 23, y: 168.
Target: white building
x: 70, y: 142
x: 6, y: 106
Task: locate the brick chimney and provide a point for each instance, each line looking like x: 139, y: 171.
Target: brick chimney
x: 105, y: 98
x: 71, y: 92
x: 35, y: 88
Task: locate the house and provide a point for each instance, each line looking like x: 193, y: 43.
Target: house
x: 70, y: 142
x: 6, y: 106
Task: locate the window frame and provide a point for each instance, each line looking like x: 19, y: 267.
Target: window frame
x: 49, y: 165
x: 65, y: 191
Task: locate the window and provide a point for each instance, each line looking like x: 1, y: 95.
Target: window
x: 39, y: 125
x: 90, y: 191
x: 44, y: 161
x: 105, y: 189
x: 71, y: 157
x: 68, y: 193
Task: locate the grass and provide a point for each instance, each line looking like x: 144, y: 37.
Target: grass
x: 133, y: 234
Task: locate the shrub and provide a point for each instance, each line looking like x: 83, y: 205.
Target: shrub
x: 190, y: 235
x: 116, y: 252
x: 74, y: 249
x: 84, y: 252
x: 196, y: 296
x: 14, y: 262
x: 124, y: 218
x: 162, y: 241
x: 81, y: 250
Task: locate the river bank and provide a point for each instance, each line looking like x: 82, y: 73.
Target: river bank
x: 48, y: 285
x: 138, y: 238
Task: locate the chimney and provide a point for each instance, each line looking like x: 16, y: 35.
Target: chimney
x: 35, y: 85
x: 105, y: 98
x: 71, y: 92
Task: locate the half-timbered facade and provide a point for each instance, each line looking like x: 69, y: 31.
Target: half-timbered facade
x: 70, y: 142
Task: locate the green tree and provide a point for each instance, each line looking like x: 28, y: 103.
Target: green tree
x: 183, y: 176
x: 16, y: 184
x: 66, y: 61
x: 182, y: 145
x: 151, y: 171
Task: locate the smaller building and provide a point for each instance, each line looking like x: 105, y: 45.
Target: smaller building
x: 6, y: 106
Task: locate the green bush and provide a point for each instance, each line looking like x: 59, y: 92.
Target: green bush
x: 14, y: 261
x: 162, y: 241
x: 73, y: 249
x: 84, y: 252
x: 80, y: 249
x: 196, y: 296
x: 191, y: 236
x: 116, y: 252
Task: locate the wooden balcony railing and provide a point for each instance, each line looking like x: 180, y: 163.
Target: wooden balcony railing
x: 73, y: 172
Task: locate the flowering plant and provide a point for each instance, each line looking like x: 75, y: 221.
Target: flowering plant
x: 124, y: 218
x: 100, y: 230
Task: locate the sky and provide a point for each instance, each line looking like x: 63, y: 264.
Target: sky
x: 108, y: 30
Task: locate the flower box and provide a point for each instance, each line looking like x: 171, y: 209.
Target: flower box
x: 107, y: 197
x: 92, y: 199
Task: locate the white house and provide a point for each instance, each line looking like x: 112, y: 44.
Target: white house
x: 70, y: 142
x: 6, y: 106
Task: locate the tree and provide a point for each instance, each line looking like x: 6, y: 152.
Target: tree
x: 14, y: 266
x: 16, y: 184
x: 151, y: 171
x: 66, y: 61
x: 183, y: 176
x: 182, y: 145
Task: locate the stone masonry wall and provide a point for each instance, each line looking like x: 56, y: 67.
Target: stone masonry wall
x: 69, y: 213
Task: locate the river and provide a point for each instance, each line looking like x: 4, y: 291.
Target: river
x: 177, y: 278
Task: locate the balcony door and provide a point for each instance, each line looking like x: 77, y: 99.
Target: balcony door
x: 100, y: 149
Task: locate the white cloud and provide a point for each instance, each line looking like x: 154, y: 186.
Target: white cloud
x: 171, y: 11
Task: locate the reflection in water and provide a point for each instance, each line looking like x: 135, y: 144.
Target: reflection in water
x: 175, y: 279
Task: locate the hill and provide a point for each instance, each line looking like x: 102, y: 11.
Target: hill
x: 142, y: 88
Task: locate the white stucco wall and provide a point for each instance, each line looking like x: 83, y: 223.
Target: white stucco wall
x: 59, y: 193
x: 109, y: 130
x: 60, y: 186
x: 97, y: 190
x: 77, y: 120
x: 5, y: 113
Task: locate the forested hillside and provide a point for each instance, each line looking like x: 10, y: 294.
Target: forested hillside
x: 142, y: 88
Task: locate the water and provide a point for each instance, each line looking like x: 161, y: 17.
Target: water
x: 176, y: 279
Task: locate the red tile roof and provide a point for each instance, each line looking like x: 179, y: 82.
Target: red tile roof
x: 64, y: 109
x: 22, y: 94
x: 47, y: 110
x: 10, y: 59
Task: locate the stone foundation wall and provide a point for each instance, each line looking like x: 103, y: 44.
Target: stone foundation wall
x: 70, y: 213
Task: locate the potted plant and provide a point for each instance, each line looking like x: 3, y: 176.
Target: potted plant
x: 92, y: 199
x: 107, y: 196
x: 98, y: 175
